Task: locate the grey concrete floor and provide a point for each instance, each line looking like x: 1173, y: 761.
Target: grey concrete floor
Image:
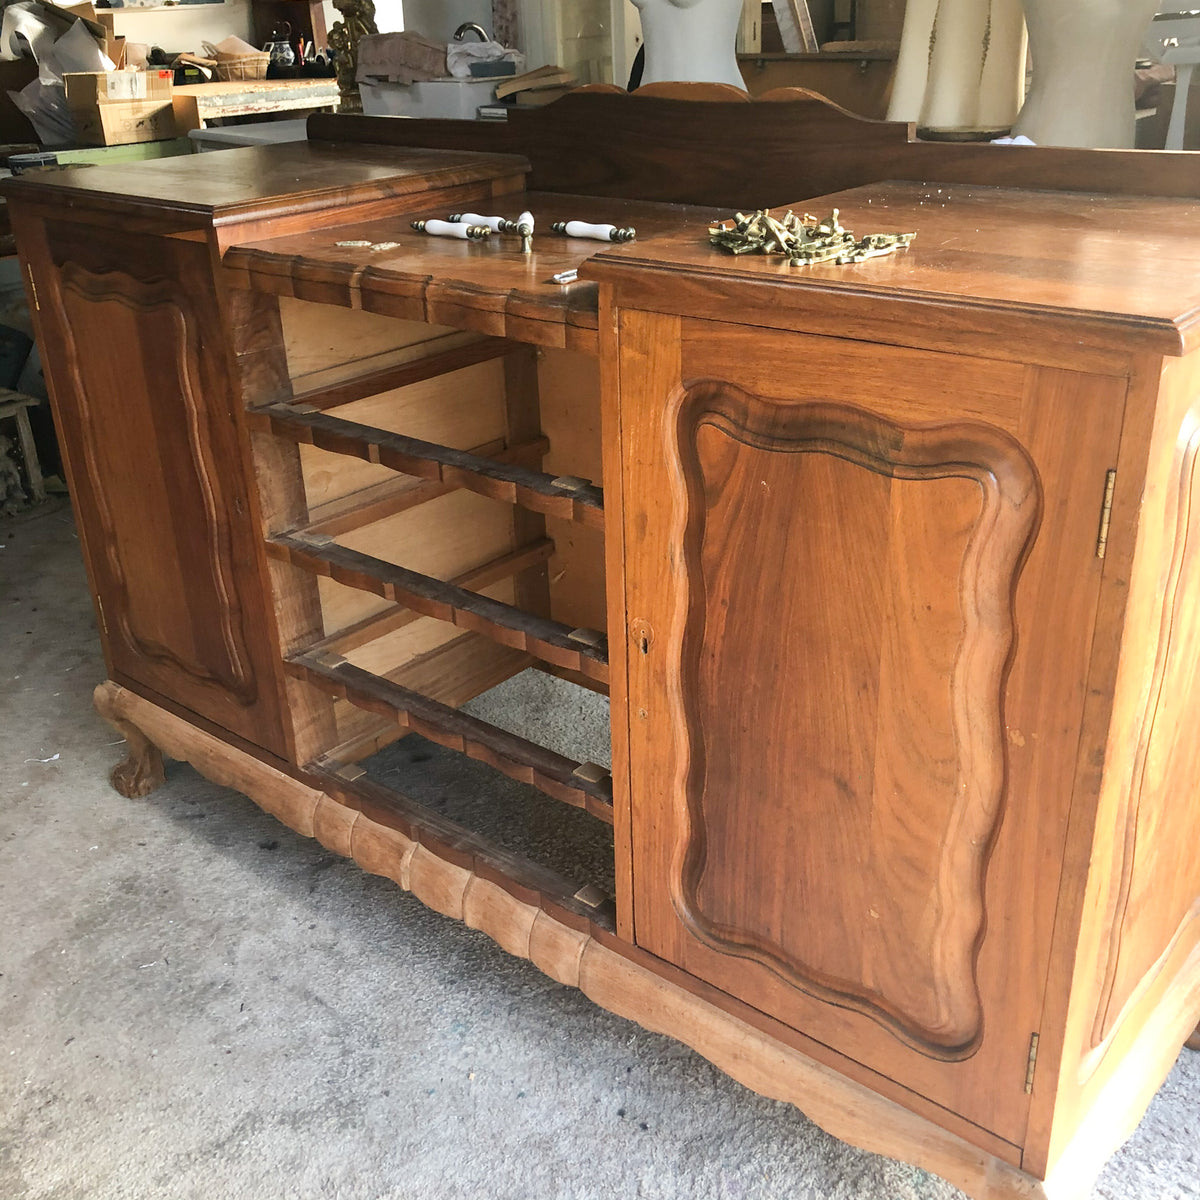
x: 196, y: 1002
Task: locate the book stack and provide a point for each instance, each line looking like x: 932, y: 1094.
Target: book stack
x: 536, y: 87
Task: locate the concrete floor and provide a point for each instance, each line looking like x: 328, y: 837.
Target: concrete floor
x: 196, y: 1002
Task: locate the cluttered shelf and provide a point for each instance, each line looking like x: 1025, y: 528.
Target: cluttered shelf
x: 75, y: 81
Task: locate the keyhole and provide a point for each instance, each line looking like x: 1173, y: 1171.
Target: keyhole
x: 642, y: 634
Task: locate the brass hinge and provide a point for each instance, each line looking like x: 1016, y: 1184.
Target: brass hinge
x: 32, y: 288
x: 1110, y: 483
x: 100, y: 610
x: 1031, y: 1062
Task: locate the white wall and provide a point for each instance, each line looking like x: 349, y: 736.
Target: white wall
x: 438, y: 19
x: 389, y: 15
x: 185, y: 26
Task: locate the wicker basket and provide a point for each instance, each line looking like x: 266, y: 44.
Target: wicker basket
x: 236, y: 69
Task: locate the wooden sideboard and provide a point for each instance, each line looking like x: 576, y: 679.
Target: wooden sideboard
x: 889, y: 573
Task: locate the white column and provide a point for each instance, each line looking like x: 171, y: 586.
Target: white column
x: 1083, y: 58
x: 691, y: 40
x: 961, y: 64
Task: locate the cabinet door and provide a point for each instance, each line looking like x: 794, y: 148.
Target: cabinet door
x: 861, y: 583
x: 134, y: 352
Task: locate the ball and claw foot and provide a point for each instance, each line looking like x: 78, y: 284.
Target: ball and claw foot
x: 141, y: 772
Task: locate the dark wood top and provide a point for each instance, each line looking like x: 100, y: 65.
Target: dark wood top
x: 785, y: 145
x: 1127, y: 266
x: 262, y: 181
x: 490, y: 287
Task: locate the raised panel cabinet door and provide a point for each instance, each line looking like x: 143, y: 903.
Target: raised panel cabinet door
x: 134, y: 352
x: 861, y: 585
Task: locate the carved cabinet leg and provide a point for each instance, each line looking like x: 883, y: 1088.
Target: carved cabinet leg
x: 142, y: 771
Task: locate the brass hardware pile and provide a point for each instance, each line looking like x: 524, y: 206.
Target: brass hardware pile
x: 803, y: 241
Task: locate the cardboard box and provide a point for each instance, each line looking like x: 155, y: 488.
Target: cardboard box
x: 114, y: 108
x: 100, y: 87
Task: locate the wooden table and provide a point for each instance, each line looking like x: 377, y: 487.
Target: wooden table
x: 888, y: 571
x: 198, y: 103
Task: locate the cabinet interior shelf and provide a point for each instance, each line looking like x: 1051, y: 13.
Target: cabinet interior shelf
x: 580, y: 906
x: 587, y: 786
x: 569, y: 497
x: 582, y: 650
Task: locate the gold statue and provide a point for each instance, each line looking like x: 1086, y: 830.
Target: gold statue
x: 358, y: 20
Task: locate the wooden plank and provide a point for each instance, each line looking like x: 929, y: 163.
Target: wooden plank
x: 522, y: 424
x: 398, y: 375
x: 382, y: 500
x: 567, y: 497
x: 569, y: 399
x: 717, y: 152
x: 452, y: 673
x: 379, y: 624
x: 460, y: 670
x: 327, y: 346
x: 581, y: 650
x: 581, y: 785
x: 521, y: 877
x: 796, y: 26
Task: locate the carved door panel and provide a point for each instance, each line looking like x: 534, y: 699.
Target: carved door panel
x: 134, y: 350
x: 861, y: 587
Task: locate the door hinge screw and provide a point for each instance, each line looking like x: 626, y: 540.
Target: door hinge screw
x: 1031, y: 1063
x: 1110, y: 483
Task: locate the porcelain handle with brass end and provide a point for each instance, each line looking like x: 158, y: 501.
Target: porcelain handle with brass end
x: 495, y: 224
x: 470, y: 233
x: 599, y: 233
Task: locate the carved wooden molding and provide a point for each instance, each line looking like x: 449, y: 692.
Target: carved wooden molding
x: 949, y: 1022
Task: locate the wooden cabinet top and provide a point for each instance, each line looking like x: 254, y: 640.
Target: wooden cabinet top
x: 1114, y: 272
x: 385, y: 266
x: 262, y: 181
x: 1106, y: 275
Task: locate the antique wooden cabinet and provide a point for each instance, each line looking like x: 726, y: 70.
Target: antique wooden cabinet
x: 888, y: 572
x: 940, y: 539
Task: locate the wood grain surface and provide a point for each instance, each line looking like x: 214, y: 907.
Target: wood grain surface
x: 1093, y: 271
x: 1126, y: 967
x: 490, y: 287
x: 836, y: 785
x: 890, y: 635
x: 263, y: 182
x: 785, y: 146
x: 146, y: 414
